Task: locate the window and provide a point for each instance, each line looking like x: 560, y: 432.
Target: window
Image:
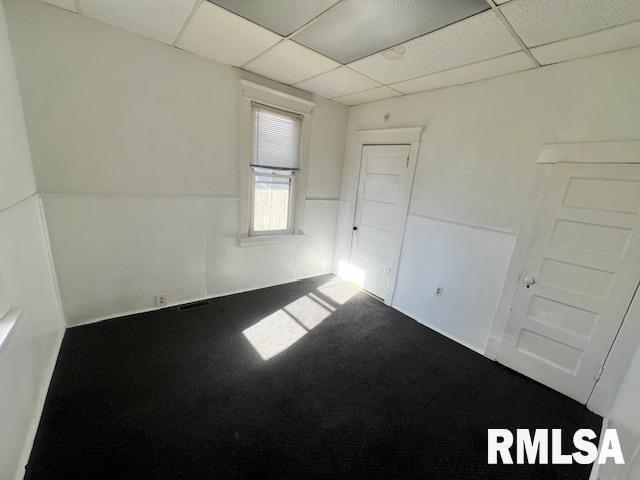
x: 273, y: 141
x: 275, y: 163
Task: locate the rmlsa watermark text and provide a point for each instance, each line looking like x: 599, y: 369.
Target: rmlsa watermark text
x: 544, y: 449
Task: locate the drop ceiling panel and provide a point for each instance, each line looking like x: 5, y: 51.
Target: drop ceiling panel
x: 603, y: 41
x: 474, y: 39
x: 544, y: 21
x: 66, y: 4
x: 494, y: 67
x: 157, y: 19
x: 379, y: 93
x: 338, y: 82
x: 225, y: 37
x: 290, y: 63
x: 356, y: 28
x: 281, y: 16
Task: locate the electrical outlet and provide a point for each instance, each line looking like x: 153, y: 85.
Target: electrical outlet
x: 439, y: 291
x: 161, y: 300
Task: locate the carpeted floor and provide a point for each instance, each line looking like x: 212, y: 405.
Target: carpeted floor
x: 312, y: 379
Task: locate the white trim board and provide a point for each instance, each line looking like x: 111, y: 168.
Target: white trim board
x: 505, y: 231
x: 389, y: 136
x: 275, y: 98
x: 42, y: 396
x: 54, y: 275
x: 438, y: 330
x: 623, y: 151
x: 133, y: 195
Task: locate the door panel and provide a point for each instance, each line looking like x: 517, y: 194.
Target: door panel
x: 617, y: 195
x: 377, y: 216
x: 383, y: 178
x: 582, y: 274
x: 381, y: 190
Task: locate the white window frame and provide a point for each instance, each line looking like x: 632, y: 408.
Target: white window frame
x: 292, y: 210
x: 252, y: 92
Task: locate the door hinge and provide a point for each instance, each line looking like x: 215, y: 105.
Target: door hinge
x: 598, y: 374
x: 407, y: 161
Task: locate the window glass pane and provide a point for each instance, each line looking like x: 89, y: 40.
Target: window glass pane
x: 276, y: 138
x: 271, y: 201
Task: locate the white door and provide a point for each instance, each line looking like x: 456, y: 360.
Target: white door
x: 384, y: 183
x: 579, y: 277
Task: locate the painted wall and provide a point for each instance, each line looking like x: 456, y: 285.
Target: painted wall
x: 475, y: 168
x: 624, y: 414
x: 135, y: 149
x: 27, y: 356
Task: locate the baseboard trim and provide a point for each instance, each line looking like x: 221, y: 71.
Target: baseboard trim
x: 492, y: 348
x: 35, y: 421
x: 441, y: 332
x: 189, y: 300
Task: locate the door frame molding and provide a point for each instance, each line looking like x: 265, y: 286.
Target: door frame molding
x: 389, y: 136
x: 628, y: 338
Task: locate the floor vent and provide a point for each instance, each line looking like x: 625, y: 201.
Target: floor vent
x: 191, y: 306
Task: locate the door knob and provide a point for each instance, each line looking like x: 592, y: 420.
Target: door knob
x: 528, y: 281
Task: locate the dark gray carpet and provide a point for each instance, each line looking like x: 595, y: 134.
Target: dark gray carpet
x: 366, y: 393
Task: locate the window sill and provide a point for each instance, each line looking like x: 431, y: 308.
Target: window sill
x: 261, y: 240
x: 7, y: 326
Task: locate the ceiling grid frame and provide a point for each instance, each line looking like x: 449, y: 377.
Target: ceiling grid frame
x: 187, y: 21
x: 465, y: 66
x: 581, y: 50
x: 525, y: 49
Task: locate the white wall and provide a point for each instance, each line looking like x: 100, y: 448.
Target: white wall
x: 134, y: 146
x: 476, y: 165
x: 16, y: 172
x: 439, y: 254
x: 624, y: 417
x: 26, y: 358
x: 625, y: 409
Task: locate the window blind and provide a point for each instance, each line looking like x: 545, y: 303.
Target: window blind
x: 276, y: 138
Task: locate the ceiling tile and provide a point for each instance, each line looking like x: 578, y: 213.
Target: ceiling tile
x: 290, y: 63
x: 338, y: 82
x: 494, y: 67
x: 66, y: 4
x: 281, y: 16
x: 477, y: 38
x: 603, y: 41
x: 379, y: 93
x: 157, y: 19
x: 544, y: 21
x: 225, y: 37
x: 354, y: 29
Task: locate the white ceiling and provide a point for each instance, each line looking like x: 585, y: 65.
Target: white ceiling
x: 506, y: 37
